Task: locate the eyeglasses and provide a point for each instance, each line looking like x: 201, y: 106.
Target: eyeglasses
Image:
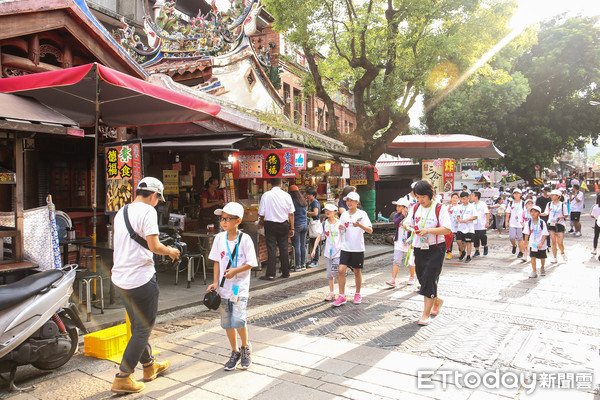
x: 227, y: 219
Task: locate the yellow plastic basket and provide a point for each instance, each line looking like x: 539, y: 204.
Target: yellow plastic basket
x: 107, y: 344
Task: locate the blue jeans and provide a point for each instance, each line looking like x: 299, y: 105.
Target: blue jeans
x: 299, y: 243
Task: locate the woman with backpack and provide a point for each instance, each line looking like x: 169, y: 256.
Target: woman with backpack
x: 430, y: 222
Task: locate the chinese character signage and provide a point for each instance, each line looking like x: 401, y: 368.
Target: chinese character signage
x: 277, y: 163
x: 358, y: 175
x: 440, y: 173
x: 171, y: 181
x: 123, y: 173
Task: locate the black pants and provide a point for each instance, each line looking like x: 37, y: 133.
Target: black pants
x: 596, y: 234
x: 141, y: 304
x: 480, y: 236
x: 428, y: 266
x: 276, y: 236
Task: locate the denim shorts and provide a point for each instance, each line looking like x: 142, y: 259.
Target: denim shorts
x: 233, y: 315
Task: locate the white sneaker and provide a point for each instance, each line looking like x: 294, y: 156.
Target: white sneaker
x: 577, y: 233
x: 594, y: 252
x: 533, y: 275
x: 553, y: 260
x: 411, y: 281
x: 564, y: 256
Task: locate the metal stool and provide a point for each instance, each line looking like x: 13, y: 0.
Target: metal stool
x: 87, y: 278
x: 191, y: 268
x: 87, y: 261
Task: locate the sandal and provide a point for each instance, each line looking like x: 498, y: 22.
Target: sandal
x: 435, y: 311
x: 424, y: 322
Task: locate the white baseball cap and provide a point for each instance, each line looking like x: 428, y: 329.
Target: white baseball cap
x: 528, y: 200
x: 330, y: 207
x: 537, y: 208
x: 517, y: 190
x: 151, y: 184
x: 556, y: 192
x: 352, y: 196
x: 401, y: 202
x: 412, y: 185
x: 231, y: 208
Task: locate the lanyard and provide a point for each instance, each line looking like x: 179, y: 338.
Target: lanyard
x: 427, y: 216
x: 462, y: 213
x: 554, y: 210
x: 233, y: 264
x: 535, y: 229
x: 332, y: 233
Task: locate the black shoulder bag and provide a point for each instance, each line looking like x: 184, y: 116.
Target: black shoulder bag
x: 212, y: 299
x: 132, y: 234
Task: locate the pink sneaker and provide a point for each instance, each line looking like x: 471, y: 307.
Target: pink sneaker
x: 339, y: 301
x: 391, y: 282
x: 357, y: 298
x: 330, y: 296
x: 411, y: 280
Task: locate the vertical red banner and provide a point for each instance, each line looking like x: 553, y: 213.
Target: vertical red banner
x: 124, y: 170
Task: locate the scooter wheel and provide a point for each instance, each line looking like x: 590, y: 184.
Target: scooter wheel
x: 59, y: 362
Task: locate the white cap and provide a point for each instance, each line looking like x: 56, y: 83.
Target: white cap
x: 517, y: 190
x: 352, y: 196
x: 402, y: 201
x: 556, y: 192
x: 528, y: 200
x: 231, y: 208
x: 537, y: 208
x: 330, y: 207
x: 152, y: 185
x: 412, y: 185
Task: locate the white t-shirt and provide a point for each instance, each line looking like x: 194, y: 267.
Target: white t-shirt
x: 354, y: 240
x: 453, y: 212
x: 554, y: 211
x: 403, y: 243
x: 133, y: 265
x: 431, y: 221
x: 577, y: 202
x: 466, y: 212
x: 517, y: 214
x: 596, y: 213
x: 333, y: 238
x: 537, y: 232
x: 276, y: 205
x: 245, y: 255
x: 481, y: 209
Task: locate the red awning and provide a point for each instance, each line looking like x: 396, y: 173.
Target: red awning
x: 123, y: 100
x: 439, y: 146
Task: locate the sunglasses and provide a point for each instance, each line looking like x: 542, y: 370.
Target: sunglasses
x: 227, y: 219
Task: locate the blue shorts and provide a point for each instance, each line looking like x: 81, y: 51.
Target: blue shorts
x: 233, y: 315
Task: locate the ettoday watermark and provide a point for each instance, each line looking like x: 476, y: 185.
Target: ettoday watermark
x: 497, y: 379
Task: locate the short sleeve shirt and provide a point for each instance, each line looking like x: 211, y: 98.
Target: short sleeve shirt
x: 333, y: 238
x: 481, y: 209
x: 556, y: 211
x: 276, y: 205
x: 427, y: 219
x: 517, y: 214
x: 536, y: 233
x: 354, y: 240
x: 245, y: 255
x: 577, y: 202
x: 466, y: 212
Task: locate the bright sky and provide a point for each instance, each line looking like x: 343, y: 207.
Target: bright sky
x: 532, y: 11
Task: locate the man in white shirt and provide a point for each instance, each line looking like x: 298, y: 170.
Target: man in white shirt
x: 276, y: 212
x: 134, y: 275
x: 481, y: 223
x: 576, y: 208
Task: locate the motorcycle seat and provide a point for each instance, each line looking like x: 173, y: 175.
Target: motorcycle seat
x: 31, y: 285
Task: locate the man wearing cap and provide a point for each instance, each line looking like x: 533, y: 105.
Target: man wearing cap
x: 276, y: 212
x: 134, y: 275
x: 515, y: 216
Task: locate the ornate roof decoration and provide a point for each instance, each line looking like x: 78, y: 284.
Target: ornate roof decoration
x: 206, y: 35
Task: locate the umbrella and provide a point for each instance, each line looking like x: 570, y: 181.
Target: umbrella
x: 89, y: 92
x: 440, y: 146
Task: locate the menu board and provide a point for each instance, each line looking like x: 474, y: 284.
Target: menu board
x: 123, y: 173
x: 440, y: 173
x: 171, y: 181
x: 275, y: 163
x: 358, y: 175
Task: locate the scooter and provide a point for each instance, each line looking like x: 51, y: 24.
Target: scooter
x: 38, y: 324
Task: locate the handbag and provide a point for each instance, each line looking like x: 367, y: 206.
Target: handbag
x: 212, y: 299
x: 313, y: 228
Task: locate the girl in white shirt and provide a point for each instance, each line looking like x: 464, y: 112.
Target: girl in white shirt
x: 331, y: 233
x: 595, y: 213
x: 402, y: 249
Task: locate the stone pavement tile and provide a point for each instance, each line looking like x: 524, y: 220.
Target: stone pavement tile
x: 239, y: 384
x: 408, y: 363
x: 329, y: 347
x: 196, y: 374
x: 288, y: 389
x: 364, y: 355
x: 282, y: 354
x: 361, y: 385
x: 206, y: 337
x: 164, y: 387
x: 296, y: 369
x: 193, y: 393
x: 289, y: 376
x: 74, y: 385
x: 544, y: 313
x: 273, y: 336
x: 354, y: 394
x: 333, y: 366
x: 23, y: 396
x: 487, y: 396
x: 591, y: 321
x: 557, y: 394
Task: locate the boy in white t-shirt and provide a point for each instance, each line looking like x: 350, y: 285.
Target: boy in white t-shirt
x: 465, y: 231
x: 354, y: 224
x: 402, y: 243
x: 535, y: 232
x: 330, y: 232
x: 234, y: 249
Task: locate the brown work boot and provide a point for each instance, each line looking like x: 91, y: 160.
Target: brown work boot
x: 126, y: 384
x: 153, y: 370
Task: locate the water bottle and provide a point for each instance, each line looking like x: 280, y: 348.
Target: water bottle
x: 110, y: 235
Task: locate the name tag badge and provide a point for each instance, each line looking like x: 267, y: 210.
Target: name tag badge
x: 424, y: 243
x: 235, y: 289
x: 534, y: 246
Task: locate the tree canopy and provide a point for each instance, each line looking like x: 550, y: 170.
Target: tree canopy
x: 388, y: 52
x: 534, y: 103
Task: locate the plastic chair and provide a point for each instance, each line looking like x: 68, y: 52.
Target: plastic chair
x: 87, y: 278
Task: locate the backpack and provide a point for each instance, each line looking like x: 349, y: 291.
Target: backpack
x: 542, y: 222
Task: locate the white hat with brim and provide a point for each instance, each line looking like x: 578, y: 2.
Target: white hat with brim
x: 528, y: 200
x: 151, y: 184
x: 330, y: 207
x: 352, y: 196
x: 536, y: 208
x: 402, y: 201
x: 232, y: 208
x: 517, y: 190
x: 556, y: 192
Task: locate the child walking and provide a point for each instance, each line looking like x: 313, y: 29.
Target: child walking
x: 233, y: 255
x: 535, y: 232
x: 354, y: 223
x: 331, y: 233
x: 402, y: 243
x: 595, y: 213
x: 466, y: 229
x: 453, y: 211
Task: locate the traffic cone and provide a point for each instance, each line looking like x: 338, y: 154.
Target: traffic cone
x: 596, y: 187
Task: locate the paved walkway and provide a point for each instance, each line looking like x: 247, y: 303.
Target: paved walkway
x: 495, y: 320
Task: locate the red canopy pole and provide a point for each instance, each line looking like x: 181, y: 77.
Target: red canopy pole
x: 95, y: 201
